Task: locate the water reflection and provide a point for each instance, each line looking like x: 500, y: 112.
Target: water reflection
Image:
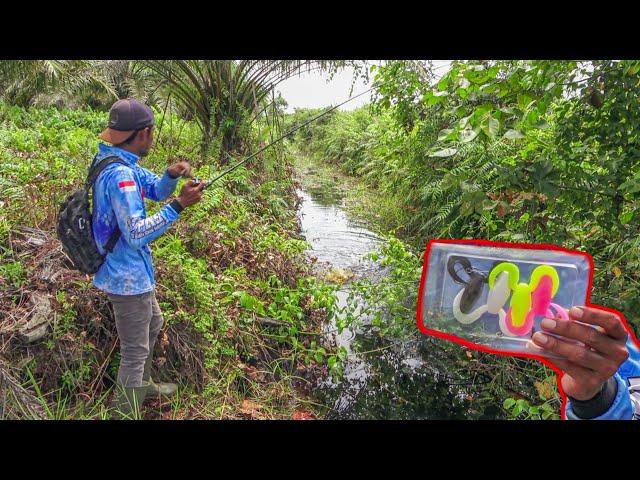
x: 395, y: 380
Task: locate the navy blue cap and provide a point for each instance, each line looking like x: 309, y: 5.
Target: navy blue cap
x: 125, y: 117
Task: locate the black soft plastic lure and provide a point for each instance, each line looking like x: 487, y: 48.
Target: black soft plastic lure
x: 473, y: 286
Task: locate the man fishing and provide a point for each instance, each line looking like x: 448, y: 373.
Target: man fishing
x: 122, y: 230
x: 127, y: 274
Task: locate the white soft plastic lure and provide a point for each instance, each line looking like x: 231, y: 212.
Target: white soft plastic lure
x: 498, y: 296
x: 466, y: 318
x: 496, y: 299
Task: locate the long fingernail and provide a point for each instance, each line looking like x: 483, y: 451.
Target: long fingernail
x: 548, y: 323
x: 540, y: 338
x: 576, y: 312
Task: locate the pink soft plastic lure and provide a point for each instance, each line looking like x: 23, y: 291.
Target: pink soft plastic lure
x: 541, y: 301
x: 522, y: 330
x: 541, y: 296
x: 543, y: 286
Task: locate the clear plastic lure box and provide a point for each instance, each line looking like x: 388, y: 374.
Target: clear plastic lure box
x: 493, y: 295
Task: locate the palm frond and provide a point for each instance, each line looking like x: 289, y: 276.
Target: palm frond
x: 226, y: 96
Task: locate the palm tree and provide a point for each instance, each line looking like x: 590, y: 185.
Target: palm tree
x: 226, y: 96
x: 128, y: 78
x: 29, y: 82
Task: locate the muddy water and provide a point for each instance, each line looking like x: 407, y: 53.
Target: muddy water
x: 384, y: 379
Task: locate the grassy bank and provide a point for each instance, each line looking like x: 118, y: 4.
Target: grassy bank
x: 242, y: 308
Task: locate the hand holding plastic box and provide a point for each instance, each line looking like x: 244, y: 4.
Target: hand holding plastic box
x: 495, y: 294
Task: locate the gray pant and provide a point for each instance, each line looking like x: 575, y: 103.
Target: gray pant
x: 138, y: 321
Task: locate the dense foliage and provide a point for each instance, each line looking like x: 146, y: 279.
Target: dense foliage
x: 239, y: 300
x: 223, y: 97
x: 543, y: 151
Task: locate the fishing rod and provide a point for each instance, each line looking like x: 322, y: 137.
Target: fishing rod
x: 231, y: 169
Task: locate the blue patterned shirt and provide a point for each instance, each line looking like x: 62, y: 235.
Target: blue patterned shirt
x: 118, y: 199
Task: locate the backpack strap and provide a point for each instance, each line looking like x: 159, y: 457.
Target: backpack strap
x: 113, y: 239
x: 94, y: 172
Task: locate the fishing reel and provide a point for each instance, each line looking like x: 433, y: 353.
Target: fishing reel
x: 197, y: 181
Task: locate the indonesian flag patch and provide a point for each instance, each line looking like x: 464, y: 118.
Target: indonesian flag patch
x: 127, y: 186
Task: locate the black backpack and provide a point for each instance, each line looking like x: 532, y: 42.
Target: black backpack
x: 74, y: 224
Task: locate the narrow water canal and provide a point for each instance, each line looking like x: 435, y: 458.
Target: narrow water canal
x: 409, y: 379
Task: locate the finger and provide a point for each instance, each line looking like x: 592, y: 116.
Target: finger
x: 576, y: 371
x: 201, y: 186
x: 583, y: 333
x: 611, y: 323
x: 578, y: 354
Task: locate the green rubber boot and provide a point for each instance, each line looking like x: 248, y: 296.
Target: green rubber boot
x: 160, y: 388
x: 128, y: 401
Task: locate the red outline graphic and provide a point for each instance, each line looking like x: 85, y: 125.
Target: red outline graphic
x: 483, y: 348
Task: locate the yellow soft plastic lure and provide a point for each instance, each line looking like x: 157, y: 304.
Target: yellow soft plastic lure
x: 510, y: 268
x: 521, y: 299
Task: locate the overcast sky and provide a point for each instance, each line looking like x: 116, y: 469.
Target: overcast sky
x: 312, y: 90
